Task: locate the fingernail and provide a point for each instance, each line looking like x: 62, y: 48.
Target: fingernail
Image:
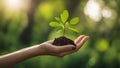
x: 73, y: 48
x: 82, y: 35
x: 87, y: 37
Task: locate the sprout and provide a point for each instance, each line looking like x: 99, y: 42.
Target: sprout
x: 63, y: 24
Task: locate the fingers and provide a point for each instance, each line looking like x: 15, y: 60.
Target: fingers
x: 79, y: 39
x: 64, y: 48
x: 81, y: 42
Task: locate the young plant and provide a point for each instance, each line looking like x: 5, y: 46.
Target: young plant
x: 63, y: 24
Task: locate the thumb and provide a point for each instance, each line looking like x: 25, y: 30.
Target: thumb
x: 65, y: 48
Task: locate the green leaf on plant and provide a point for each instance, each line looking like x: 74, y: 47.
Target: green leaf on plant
x: 54, y: 24
x: 67, y: 24
x: 64, y: 16
x: 73, y: 29
x: 57, y: 19
x: 74, y: 21
x: 59, y: 31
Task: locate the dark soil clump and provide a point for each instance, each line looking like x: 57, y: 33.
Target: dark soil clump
x: 63, y: 41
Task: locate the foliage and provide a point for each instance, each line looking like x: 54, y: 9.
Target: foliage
x: 63, y: 24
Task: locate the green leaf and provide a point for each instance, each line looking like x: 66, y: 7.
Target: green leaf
x: 54, y: 24
x: 67, y: 24
x: 60, y: 31
x: 73, y: 29
x: 74, y: 21
x: 57, y: 19
x: 64, y: 16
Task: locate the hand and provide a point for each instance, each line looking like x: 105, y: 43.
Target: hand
x: 48, y: 49
x: 9, y: 60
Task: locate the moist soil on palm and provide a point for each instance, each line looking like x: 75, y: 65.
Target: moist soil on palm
x: 63, y: 41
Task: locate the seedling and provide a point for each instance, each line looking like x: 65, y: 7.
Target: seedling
x: 63, y: 24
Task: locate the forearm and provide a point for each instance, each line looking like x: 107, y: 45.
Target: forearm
x: 18, y: 56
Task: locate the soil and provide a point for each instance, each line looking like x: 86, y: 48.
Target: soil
x: 63, y: 41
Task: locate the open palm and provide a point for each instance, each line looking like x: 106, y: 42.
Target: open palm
x: 49, y: 49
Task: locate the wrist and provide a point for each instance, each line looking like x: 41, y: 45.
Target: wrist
x: 36, y: 50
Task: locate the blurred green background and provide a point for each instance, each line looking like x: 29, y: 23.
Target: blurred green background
x: 24, y: 23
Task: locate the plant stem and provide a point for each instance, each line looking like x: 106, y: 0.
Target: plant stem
x: 64, y: 29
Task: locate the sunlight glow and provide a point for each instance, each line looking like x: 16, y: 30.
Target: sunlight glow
x: 13, y: 4
x: 92, y: 9
x: 106, y: 13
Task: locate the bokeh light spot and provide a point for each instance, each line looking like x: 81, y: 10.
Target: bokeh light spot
x: 102, y: 45
x: 92, y: 9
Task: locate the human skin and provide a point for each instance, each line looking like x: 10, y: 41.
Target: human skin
x: 46, y: 48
